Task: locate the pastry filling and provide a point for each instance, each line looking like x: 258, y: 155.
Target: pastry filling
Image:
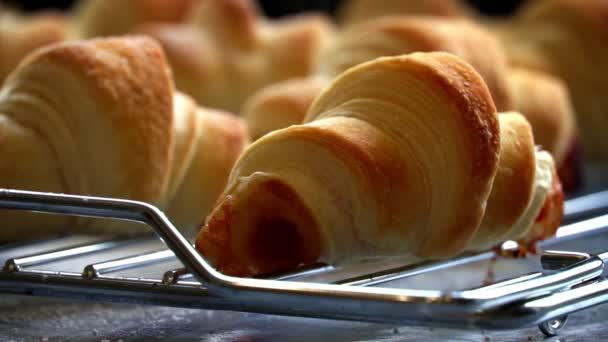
x: 543, y: 216
x: 542, y: 184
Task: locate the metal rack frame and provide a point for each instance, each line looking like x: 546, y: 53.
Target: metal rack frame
x: 571, y: 282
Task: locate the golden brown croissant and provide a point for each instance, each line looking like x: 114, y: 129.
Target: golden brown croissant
x: 397, y: 157
x: 272, y: 108
x: 356, y: 11
x: 20, y: 34
x: 101, y: 118
x: 569, y: 39
x: 545, y: 102
x: 281, y: 104
x: 229, y: 50
x: 95, y: 18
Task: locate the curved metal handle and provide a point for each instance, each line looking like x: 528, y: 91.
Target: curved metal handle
x: 115, y: 209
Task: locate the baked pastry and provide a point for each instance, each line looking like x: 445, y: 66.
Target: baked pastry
x: 220, y: 63
x: 101, y: 118
x: 397, y: 35
x: 388, y: 36
x: 397, y: 156
x: 281, y: 104
x: 545, y: 102
x: 569, y: 39
x: 21, y: 34
x: 95, y: 18
x: 356, y: 11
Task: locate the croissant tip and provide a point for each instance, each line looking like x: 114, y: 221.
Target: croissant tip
x: 261, y: 227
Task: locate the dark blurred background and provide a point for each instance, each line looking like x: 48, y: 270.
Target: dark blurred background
x: 277, y: 8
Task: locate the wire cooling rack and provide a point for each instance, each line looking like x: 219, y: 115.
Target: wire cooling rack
x: 515, y: 293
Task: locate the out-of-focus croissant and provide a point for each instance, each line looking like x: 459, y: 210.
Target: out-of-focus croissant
x: 101, y: 118
x: 229, y: 50
x: 397, y: 35
x: 569, y: 39
x: 356, y: 11
x: 390, y: 36
x: 398, y: 156
x: 95, y: 18
x: 281, y: 104
x: 545, y: 102
x: 20, y: 34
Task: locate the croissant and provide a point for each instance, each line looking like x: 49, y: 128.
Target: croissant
x: 20, y: 34
x: 101, y: 118
x: 569, y: 39
x: 356, y: 11
x: 94, y: 18
x: 390, y: 36
x: 221, y: 63
x: 545, y: 102
x: 280, y: 104
x: 398, y: 156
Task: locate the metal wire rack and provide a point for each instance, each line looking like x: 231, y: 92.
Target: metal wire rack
x: 121, y: 270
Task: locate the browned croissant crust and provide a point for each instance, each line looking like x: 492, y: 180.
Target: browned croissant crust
x: 398, y: 156
x: 95, y: 18
x: 569, y: 39
x: 281, y: 104
x: 271, y: 108
x: 545, y: 102
x: 229, y: 50
x: 20, y: 34
x: 397, y: 35
x: 356, y: 11
x: 101, y: 118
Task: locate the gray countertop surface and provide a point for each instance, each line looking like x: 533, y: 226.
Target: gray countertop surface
x: 25, y: 318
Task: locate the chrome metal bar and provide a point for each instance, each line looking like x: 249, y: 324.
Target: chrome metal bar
x: 411, y: 270
x: 585, y: 206
x: 587, y: 226
x: 566, y: 278
x: 511, y: 281
x: 551, y: 306
x: 303, y: 272
x: 180, y: 274
x: 94, y: 270
x: 302, y: 299
x: 117, y: 209
x: 517, y: 315
x: 16, y: 264
x: 556, y: 260
x: 175, y: 275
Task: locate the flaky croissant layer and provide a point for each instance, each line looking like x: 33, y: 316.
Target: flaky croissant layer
x: 101, y: 118
x: 397, y: 156
x: 286, y: 103
x: 568, y: 39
